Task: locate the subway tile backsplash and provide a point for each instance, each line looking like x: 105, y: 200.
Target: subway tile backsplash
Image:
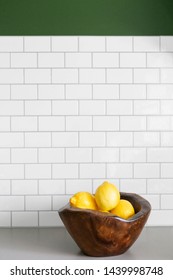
x: 78, y: 110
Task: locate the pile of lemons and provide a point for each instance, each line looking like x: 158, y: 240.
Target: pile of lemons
x: 106, y: 199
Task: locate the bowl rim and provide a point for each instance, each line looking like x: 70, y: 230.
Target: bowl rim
x: 145, y: 208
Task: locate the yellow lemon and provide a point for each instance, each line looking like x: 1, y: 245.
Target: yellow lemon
x: 107, y: 196
x: 83, y: 200
x: 124, y: 209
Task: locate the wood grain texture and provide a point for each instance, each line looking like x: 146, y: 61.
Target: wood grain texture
x: 104, y: 234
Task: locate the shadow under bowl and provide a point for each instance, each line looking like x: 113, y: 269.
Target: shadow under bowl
x: 100, y: 234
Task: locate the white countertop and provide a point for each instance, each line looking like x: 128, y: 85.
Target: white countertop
x: 55, y: 243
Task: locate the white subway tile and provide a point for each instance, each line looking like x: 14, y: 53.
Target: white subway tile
x: 166, y: 43
x: 60, y: 201
x: 105, y: 155
x: 37, y: 171
x: 166, y: 201
x: 146, y: 43
x: 160, y: 91
x: 78, y: 123
x: 11, y: 44
x: 93, y: 170
x: 106, y: 91
x: 24, y: 187
x: 51, y: 123
x: 105, y: 60
x: 50, y: 92
x: 23, y: 92
x: 5, y: 219
x: 24, y: 155
x: 64, y: 139
x: 74, y: 186
x: 98, y: 182
x: 48, y: 219
x: 5, y: 187
x: 50, y: 155
x: 92, y: 139
x: 38, y: 203
x: 45, y: 159
x: 167, y: 170
x: 133, y: 60
x: 91, y: 43
x: 146, y: 107
x: 23, y: 123
x: 11, y: 139
x: 78, y: 92
x: 78, y: 60
x: 52, y: 187
x: 63, y: 171
x: 119, y: 107
x: 91, y: 76
x: 160, y: 186
x: 37, y: 76
x: 132, y: 92
x: 160, y: 123
x: 37, y: 43
x: 11, y: 76
x: 48, y: 60
x: 4, y: 60
x: 146, y: 139
x: 147, y: 76
x: 167, y: 139
x: 119, y: 139
x: 11, y: 107
x: 119, y: 43
x: 133, y: 185
x: 133, y: 155
x: 78, y: 155
x: 134, y: 123
x: 37, y: 139
x: 146, y: 170
x: 159, y: 154
x: 153, y: 199
x: 4, y: 123
x: 119, y: 170
x: 63, y: 107
x: 38, y: 107
x: 24, y: 219
x: 106, y: 123
x: 65, y: 76
x: 160, y: 60
x: 167, y: 107
x: 167, y: 76
x: 93, y: 107
x: 4, y: 155
x: 64, y: 43
x: 23, y: 60
x: 11, y: 203
x: 4, y: 92
x: 160, y: 218
x: 119, y: 76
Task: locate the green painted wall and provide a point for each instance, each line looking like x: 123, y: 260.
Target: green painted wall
x: 86, y: 17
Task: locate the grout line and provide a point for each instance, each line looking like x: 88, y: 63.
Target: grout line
x: 23, y: 44
x: 51, y: 44
x: 78, y: 44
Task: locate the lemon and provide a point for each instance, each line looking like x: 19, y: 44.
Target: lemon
x: 107, y: 196
x: 124, y: 209
x: 83, y: 200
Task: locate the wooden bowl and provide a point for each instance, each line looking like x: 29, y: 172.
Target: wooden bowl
x: 101, y: 234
